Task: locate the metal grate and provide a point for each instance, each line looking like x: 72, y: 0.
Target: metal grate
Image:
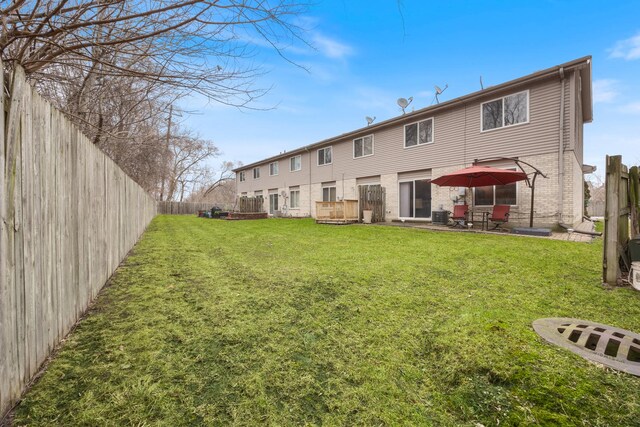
x: 608, y: 345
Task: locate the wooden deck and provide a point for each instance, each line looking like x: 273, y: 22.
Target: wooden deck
x: 338, y: 212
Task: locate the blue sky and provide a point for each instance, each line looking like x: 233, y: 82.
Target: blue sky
x: 369, y: 53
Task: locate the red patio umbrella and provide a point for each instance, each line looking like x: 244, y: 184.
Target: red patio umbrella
x: 482, y: 176
x: 479, y: 176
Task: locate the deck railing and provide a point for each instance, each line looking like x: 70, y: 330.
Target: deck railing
x: 343, y: 210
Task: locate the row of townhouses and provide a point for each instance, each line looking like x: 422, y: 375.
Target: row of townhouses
x: 537, y: 118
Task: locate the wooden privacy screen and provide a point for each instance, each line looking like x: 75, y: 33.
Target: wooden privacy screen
x: 69, y: 215
x: 616, y: 219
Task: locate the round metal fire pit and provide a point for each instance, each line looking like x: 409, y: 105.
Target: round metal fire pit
x: 608, y: 345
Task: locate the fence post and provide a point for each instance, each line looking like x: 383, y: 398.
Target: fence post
x: 613, y: 177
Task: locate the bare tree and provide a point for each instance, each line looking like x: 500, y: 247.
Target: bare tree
x: 191, y: 45
x: 224, y: 195
x: 115, y: 66
x: 186, y: 166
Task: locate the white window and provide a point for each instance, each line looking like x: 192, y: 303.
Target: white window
x: 273, y: 168
x: 496, y: 194
x: 256, y: 173
x: 294, y: 198
x: 507, y: 111
x: 363, y: 147
x: 324, y: 156
x: 241, y: 176
x: 329, y: 194
x: 257, y: 193
x: 295, y: 163
x: 418, y: 133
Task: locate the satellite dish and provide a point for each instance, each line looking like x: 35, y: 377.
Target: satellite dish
x: 404, y: 103
x: 283, y: 193
x: 439, y: 91
x: 370, y: 120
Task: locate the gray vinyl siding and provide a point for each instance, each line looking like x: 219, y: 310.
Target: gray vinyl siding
x: 285, y: 177
x: 568, y: 111
x: 457, y: 140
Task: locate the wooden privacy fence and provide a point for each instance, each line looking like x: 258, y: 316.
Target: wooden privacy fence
x: 616, y: 219
x: 69, y: 215
x: 596, y: 208
x: 182, y: 208
x: 250, y: 204
x: 373, y: 198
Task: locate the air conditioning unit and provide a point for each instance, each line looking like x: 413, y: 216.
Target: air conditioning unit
x: 635, y: 275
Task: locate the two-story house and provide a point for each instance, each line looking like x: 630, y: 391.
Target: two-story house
x: 537, y: 118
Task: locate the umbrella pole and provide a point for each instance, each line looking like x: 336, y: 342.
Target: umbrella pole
x: 533, y: 192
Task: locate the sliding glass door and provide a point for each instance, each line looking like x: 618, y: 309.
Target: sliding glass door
x: 415, y: 199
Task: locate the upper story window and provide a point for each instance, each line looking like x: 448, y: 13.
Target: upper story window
x: 295, y: 163
x: 418, y: 133
x: 256, y: 173
x: 363, y: 147
x: 241, y: 176
x: 324, y: 156
x: 273, y: 168
x: 507, y: 111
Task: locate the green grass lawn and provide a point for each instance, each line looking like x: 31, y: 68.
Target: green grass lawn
x: 285, y: 322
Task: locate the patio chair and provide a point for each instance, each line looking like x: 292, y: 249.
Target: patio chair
x: 500, y: 215
x: 459, y: 216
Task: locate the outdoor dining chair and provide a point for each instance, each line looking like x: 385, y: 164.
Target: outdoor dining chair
x: 459, y: 216
x: 500, y: 215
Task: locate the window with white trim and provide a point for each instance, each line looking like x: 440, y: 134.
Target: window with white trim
x: 506, y: 111
x: 324, y: 156
x: 496, y: 195
x: 241, y: 176
x: 295, y: 163
x: 294, y: 198
x: 256, y: 173
x: 418, y: 133
x: 329, y: 194
x: 363, y: 147
x: 273, y: 168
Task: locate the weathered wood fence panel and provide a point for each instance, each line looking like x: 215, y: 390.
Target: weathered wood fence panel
x: 596, y: 208
x: 373, y: 198
x: 69, y: 215
x: 250, y: 204
x: 182, y: 208
x: 616, y: 218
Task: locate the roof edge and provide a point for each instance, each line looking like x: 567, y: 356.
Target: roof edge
x: 583, y: 63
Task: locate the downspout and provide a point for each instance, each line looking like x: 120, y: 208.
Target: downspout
x: 561, y: 148
x: 310, y: 203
